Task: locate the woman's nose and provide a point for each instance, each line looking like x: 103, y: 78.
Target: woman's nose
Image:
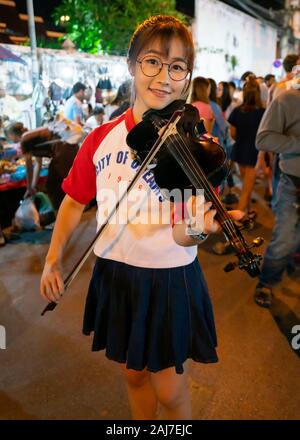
x: 163, y: 75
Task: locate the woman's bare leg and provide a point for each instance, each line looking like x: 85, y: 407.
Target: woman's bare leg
x: 141, y: 394
x: 173, y: 393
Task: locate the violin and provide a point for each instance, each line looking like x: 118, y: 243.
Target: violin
x: 173, y: 143
x: 189, y: 159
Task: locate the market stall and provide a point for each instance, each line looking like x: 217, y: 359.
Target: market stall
x: 102, y: 75
x: 13, y: 182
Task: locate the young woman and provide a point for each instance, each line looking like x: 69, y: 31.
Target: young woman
x: 147, y: 303
x: 200, y: 100
x: 244, y: 122
x: 224, y: 98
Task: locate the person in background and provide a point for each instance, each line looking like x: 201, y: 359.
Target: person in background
x: 220, y: 126
x: 59, y: 142
x: 244, y: 121
x: 122, y: 100
x: 13, y: 133
x: 285, y: 84
x: 270, y: 82
x: 224, y: 98
x: 224, y: 93
x: 200, y: 99
x: 73, y: 109
x: 279, y: 132
x: 264, y: 92
x: 87, y: 110
x: 95, y: 120
x: 290, y: 64
x: 235, y: 97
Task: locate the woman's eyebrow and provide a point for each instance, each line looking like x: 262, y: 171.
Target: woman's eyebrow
x: 157, y: 52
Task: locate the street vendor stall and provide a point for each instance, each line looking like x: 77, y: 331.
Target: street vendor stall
x: 13, y: 182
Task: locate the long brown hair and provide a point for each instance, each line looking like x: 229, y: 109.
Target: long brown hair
x: 162, y: 28
x: 199, y: 89
x: 213, y: 90
x: 251, y: 95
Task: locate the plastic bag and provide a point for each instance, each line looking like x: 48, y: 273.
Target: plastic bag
x: 27, y: 217
x: 45, y: 208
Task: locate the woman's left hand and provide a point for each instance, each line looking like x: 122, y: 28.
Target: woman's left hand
x: 208, y: 224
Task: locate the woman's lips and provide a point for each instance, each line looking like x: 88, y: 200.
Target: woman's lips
x: 159, y: 93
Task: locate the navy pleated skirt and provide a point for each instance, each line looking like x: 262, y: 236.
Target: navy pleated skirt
x: 150, y: 318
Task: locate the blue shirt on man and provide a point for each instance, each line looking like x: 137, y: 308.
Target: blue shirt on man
x: 73, y: 108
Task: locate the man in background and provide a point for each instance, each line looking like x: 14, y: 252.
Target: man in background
x: 285, y: 84
x: 279, y: 132
x: 73, y: 109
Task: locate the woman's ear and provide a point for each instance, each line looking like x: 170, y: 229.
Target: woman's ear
x: 186, y: 89
x: 130, y: 67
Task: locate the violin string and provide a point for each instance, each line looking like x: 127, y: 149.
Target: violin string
x: 224, y: 217
x: 190, y: 161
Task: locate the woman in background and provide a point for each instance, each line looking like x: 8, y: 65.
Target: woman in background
x: 220, y: 126
x: 200, y: 100
x: 244, y: 122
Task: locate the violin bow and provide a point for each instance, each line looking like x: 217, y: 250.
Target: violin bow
x: 166, y: 131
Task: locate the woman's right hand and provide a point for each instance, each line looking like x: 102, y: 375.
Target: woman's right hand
x: 51, y: 285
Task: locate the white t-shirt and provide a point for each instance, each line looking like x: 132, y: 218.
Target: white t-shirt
x: 103, y: 168
x: 91, y: 123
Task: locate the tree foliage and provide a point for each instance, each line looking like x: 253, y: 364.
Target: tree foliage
x: 105, y: 26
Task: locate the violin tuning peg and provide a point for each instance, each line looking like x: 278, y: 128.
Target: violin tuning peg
x: 230, y: 266
x: 257, y: 242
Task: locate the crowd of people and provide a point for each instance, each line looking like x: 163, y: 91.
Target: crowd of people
x: 259, y: 129
x: 256, y: 123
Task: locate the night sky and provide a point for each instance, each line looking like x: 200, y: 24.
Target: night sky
x: 45, y: 8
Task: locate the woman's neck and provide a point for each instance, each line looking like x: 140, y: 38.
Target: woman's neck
x: 138, y: 112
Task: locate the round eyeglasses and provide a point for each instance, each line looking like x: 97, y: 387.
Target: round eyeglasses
x: 152, y: 66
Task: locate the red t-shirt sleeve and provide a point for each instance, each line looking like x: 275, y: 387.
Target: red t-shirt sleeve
x: 80, y: 184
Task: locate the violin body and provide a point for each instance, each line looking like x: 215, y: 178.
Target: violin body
x: 167, y: 171
x: 173, y: 144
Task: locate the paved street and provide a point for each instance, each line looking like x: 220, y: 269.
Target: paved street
x: 49, y: 372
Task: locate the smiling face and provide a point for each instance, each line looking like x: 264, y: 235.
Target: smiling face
x: 158, y: 91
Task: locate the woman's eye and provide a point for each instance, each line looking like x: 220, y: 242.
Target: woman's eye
x: 178, y: 68
x: 152, y: 61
